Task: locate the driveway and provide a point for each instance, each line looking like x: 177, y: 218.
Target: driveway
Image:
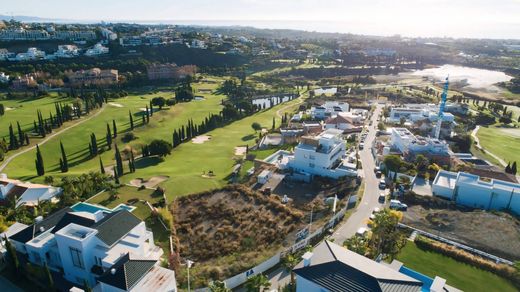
x: 422, y: 187
x: 370, y: 196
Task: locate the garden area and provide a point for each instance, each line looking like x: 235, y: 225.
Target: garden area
x: 457, y: 274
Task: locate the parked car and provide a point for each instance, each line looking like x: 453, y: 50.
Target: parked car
x: 382, y: 184
x: 379, y: 174
x: 397, y: 205
x: 361, y: 231
x: 267, y: 191
x: 361, y: 146
x: 382, y: 198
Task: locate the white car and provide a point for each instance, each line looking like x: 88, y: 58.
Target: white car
x: 361, y: 231
x: 397, y: 205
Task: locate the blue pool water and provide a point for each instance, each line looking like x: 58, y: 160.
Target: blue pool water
x: 427, y: 281
x: 91, y: 208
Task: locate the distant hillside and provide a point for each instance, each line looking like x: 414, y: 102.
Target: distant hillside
x: 24, y: 18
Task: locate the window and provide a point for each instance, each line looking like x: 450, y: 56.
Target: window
x: 98, y: 261
x: 77, y: 261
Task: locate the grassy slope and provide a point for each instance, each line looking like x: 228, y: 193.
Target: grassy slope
x: 76, y: 140
x: 500, y: 143
x: 24, y: 111
x: 187, y: 162
x: 458, y: 275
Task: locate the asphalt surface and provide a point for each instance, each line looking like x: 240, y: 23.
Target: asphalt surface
x: 369, y: 201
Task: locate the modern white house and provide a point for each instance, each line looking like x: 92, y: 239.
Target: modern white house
x: 472, y: 191
x: 406, y: 142
x: 67, y: 51
x: 329, y: 109
x: 94, y: 245
x: 418, y: 112
x: 31, y: 54
x: 321, y: 155
x: 345, y: 121
x: 333, y: 268
x: 198, y: 44
x: 96, y: 50
x: 25, y: 193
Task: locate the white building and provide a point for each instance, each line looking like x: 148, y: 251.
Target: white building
x: 345, y: 121
x: 31, y: 54
x: 329, y: 109
x: 333, y: 268
x: 4, y: 54
x: 26, y: 194
x: 472, y: 191
x: 404, y: 141
x: 418, y: 112
x: 94, y: 246
x: 108, y: 34
x: 97, y: 50
x: 198, y: 44
x: 67, y: 51
x: 4, y: 78
x: 321, y: 155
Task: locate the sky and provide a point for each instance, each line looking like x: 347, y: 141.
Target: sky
x: 451, y: 18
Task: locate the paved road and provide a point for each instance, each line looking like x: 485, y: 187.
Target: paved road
x: 49, y: 137
x: 370, y: 196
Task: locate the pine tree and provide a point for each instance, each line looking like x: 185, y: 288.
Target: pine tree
x: 114, y: 128
x: 109, y: 137
x: 119, y: 161
x: 63, y: 160
x: 101, y: 167
x: 513, y: 168
x: 40, y: 168
x: 131, y: 120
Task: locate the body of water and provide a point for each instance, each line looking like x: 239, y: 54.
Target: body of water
x: 475, y: 78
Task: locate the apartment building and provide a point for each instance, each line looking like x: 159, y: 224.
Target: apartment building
x: 169, y: 71
x: 404, y: 141
x: 21, y: 34
x: 97, y: 246
x: 93, y: 76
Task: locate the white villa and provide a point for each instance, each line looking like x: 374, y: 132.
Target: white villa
x: 111, y: 249
x: 67, y: 51
x: 26, y: 194
x: 406, y: 142
x: 321, y: 155
x: 472, y: 191
x: 328, y: 109
x: 345, y: 121
x: 97, y: 50
x: 418, y: 112
x: 31, y: 54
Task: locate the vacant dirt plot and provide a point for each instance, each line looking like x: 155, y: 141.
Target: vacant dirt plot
x: 230, y: 221
x: 496, y: 233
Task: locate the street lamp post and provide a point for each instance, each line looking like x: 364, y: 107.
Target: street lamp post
x: 188, y: 265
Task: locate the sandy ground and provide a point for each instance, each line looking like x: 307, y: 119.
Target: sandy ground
x: 495, y: 233
x: 511, y: 132
x: 9, y: 108
x: 115, y: 104
x: 200, y: 139
x: 149, y: 183
x: 240, y: 150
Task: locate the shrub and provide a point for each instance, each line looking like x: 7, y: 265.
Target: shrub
x: 128, y: 136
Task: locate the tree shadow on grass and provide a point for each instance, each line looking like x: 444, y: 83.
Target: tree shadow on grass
x: 148, y: 161
x: 248, y: 137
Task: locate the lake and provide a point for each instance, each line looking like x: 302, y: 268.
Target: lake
x: 476, y: 78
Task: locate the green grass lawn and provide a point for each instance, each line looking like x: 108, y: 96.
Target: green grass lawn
x: 457, y: 274
x: 503, y: 142
x: 76, y: 140
x: 24, y: 111
x: 187, y: 162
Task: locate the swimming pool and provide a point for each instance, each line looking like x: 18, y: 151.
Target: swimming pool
x: 427, y: 281
x: 93, y: 208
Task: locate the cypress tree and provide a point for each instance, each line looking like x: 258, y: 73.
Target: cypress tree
x: 63, y: 160
x: 21, y: 135
x: 147, y: 114
x: 143, y: 119
x: 273, y: 123
x: 26, y: 139
x: 114, y: 128
x: 40, y: 168
x: 151, y: 108
x: 131, y: 120
x: 109, y: 137
x: 508, y: 168
x: 101, y: 167
x: 119, y: 161
x: 513, y: 168
x: 93, y: 142
x: 116, y: 175
x: 13, y: 141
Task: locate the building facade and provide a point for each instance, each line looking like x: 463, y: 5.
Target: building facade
x: 93, y: 76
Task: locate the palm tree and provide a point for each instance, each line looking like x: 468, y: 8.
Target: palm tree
x: 288, y: 263
x: 218, y: 286
x: 257, y: 283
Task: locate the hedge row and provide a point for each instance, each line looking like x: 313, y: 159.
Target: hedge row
x: 503, y: 270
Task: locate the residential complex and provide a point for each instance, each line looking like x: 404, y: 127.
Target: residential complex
x: 111, y: 249
x: 169, y: 71
x: 26, y: 193
x: 418, y: 112
x: 470, y: 190
x: 328, y: 109
x: 93, y: 76
x: 408, y: 144
x: 333, y: 268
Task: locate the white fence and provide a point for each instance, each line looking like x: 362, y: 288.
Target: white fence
x: 239, y: 279
x: 459, y: 245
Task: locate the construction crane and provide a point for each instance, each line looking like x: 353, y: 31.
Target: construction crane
x: 444, y: 97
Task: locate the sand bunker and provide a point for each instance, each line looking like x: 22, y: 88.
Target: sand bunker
x: 240, y: 150
x: 115, y: 104
x: 200, y: 139
x: 149, y: 183
x: 9, y: 108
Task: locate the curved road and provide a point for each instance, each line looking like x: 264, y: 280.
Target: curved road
x: 47, y: 138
